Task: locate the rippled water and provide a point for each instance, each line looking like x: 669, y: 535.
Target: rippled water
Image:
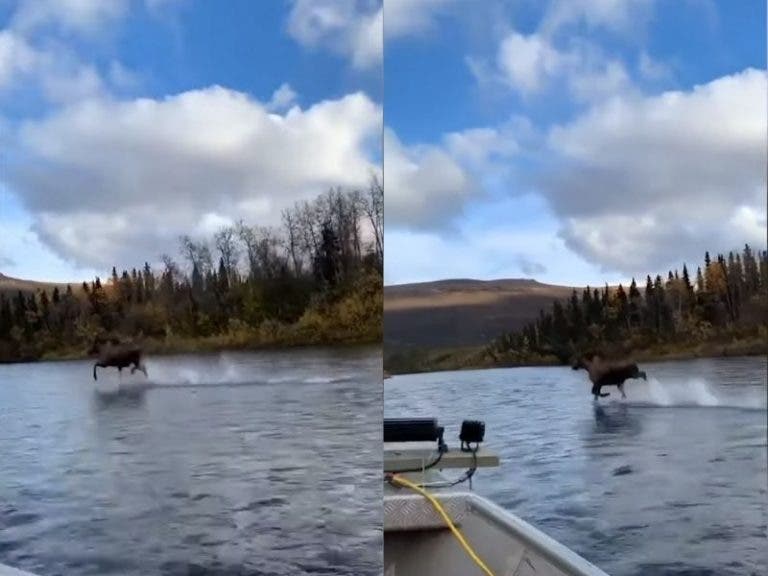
x: 265, y: 464
x: 670, y: 481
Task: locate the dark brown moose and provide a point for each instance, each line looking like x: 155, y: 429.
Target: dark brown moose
x: 118, y: 355
x: 608, y: 373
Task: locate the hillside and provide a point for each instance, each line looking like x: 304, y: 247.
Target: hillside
x: 456, y: 324
x: 10, y: 286
x: 462, y: 313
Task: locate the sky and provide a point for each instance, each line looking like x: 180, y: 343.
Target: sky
x: 576, y: 142
x: 127, y: 123
x: 572, y: 141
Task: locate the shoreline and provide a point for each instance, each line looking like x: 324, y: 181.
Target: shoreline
x: 202, y: 347
x: 749, y: 348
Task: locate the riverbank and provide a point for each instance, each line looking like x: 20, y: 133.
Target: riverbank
x: 355, y: 320
x: 415, y: 361
x: 208, y: 346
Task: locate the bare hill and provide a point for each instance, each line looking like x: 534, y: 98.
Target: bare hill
x: 456, y: 313
x: 10, y: 286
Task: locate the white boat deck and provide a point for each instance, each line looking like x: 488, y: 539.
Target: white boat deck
x: 417, y: 540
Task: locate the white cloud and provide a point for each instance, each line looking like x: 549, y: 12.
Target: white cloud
x: 282, y: 98
x: 425, y: 186
x: 350, y: 28
x: 642, y: 181
x: 108, y: 180
x: 85, y: 16
x: 412, y: 17
x: 17, y: 59
x: 532, y: 64
x: 477, y: 147
x: 527, y: 62
x: 428, y: 186
x: 56, y: 71
x: 614, y: 15
x: 599, y: 81
x: 72, y: 84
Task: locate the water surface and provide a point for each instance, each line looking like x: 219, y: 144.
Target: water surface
x: 670, y: 481
x: 258, y: 464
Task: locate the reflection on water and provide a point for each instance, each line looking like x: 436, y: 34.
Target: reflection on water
x: 670, y: 481
x: 120, y: 397
x: 262, y: 464
x: 615, y: 420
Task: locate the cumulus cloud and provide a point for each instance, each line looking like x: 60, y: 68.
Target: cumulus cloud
x: 637, y: 176
x: 350, y: 28
x: 355, y: 29
x: 36, y: 51
x: 425, y: 186
x: 532, y: 64
x: 106, y: 180
x: 428, y: 186
x: 526, y: 62
x: 58, y: 73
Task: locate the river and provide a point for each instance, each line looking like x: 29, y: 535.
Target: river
x: 242, y: 463
x: 670, y: 481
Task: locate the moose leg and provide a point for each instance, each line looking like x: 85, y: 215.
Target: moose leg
x: 141, y: 368
x: 596, y: 390
x: 621, y: 389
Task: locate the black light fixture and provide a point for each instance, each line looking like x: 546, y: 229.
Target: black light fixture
x: 472, y: 432
x: 412, y: 430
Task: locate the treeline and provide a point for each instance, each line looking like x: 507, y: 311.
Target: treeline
x: 723, y: 303
x: 317, y: 279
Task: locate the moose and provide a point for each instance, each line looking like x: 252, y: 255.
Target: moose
x: 607, y: 373
x: 119, y: 355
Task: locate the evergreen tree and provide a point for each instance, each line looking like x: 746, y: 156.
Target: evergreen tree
x: 687, y: 280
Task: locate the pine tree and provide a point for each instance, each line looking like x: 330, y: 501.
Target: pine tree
x: 751, y: 272
x: 45, y: 309
x: 149, y: 282
x: 575, y: 318
x: 6, y: 318
x: 699, y: 281
x: 687, y: 281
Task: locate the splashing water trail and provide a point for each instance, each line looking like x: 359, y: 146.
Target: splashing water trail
x: 691, y: 392
x: 658, y: 393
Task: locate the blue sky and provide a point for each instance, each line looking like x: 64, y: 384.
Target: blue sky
x: 576, y: 142
x: 125, y: 123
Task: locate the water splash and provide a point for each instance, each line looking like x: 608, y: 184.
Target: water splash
x: 693, y: 392
x: 225, y: 372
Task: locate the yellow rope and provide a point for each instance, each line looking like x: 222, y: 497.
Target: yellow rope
x: 397, y: 479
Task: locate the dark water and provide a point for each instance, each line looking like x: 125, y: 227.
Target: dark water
x: 265, y: 464
x: 671, y: 481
